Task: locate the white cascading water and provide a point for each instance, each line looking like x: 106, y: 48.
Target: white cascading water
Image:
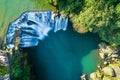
x: 34, y: 26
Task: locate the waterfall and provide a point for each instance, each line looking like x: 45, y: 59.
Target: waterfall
x: 34, y: 26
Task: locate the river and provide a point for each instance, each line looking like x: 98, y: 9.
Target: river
x: 63, y: 55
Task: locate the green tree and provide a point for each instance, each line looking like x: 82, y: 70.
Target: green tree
x: 98, y: 16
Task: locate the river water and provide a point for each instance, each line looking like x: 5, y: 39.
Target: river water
x: 63, y: 55
x: 12, y: 9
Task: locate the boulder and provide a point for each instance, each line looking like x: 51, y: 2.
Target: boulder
x: 93, y: 76
x: 103, y: 55
x: 102, y: 45
x: 107, y: 78
x: 114, y: 56
x: 109, y: 71
x: 106, y: 51
x: 116, y: 68
x: 105, y: 62
x: 83, y: 77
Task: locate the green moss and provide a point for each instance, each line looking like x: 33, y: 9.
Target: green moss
x: 3, y: 70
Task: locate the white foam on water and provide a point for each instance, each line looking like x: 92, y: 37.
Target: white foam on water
x: 34, y: 26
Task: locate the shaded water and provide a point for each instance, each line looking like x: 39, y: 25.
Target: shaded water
x: 65, y: 55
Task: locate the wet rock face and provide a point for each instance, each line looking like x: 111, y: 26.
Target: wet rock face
x: 34, y: 26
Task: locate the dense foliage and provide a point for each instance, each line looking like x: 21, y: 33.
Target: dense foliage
x: 3, y: 70
x: 20, y: 69
x: 67, y: 6
x: 98, y: 16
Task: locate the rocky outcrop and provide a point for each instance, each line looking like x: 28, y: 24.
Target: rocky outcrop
x: 83, y: 77
x: 109, y: 69
x: 3, y: 58
x: 4, y: 66
x: 93, y: 76
x: 109, y: 72
x: 106, y: 51
x: 116, y: 68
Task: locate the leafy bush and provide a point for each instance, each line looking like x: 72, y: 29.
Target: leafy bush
x: 98, y: 16
x: 3, y: 70
x: 20, y: 70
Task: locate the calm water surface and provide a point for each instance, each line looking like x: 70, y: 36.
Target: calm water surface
x: 65, y: 55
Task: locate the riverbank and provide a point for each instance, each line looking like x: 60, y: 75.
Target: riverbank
x: 19, y: 68
x: 4, y: 65
x: 109, y: 68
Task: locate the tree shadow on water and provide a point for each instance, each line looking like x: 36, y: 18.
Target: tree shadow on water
x: 59, y: 55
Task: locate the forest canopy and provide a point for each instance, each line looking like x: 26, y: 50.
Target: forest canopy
x: 97, y: 16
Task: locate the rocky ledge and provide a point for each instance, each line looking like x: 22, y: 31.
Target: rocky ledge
x: 4, y: 66
x: 109, y: 69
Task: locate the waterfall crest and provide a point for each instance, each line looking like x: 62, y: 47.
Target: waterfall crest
x: 34, y: 26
